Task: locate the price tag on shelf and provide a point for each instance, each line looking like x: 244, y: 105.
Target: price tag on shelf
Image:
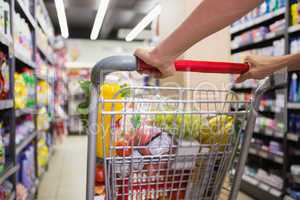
x: 278, y: 159
x: 292, y: 137
x: 275, y: 192
x: 263, y: 154
x: 264, y: 186
x: 252, y: 151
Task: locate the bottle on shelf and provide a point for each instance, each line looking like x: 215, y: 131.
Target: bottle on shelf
x: 293, y: 96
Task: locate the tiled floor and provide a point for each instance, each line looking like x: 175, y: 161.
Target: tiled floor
x: 65, y: 179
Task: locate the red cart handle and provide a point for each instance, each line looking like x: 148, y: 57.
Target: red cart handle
x: 203, y: 66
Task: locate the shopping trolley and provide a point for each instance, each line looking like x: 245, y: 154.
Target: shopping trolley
x: 177, y: 143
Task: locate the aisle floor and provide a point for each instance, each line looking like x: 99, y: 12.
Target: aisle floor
x: 65, y: 179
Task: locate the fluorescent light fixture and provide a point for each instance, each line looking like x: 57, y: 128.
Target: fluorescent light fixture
x: 99, y: 19
x: 155, y: 12
x: 62, y: 19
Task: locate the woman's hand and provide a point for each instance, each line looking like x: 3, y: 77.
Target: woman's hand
x: 260, y: 67
x: 162, y: 66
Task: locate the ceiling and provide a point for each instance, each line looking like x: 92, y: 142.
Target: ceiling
x: 120, y: 14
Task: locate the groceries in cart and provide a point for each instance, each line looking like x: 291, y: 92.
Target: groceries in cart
x: 151, y: 145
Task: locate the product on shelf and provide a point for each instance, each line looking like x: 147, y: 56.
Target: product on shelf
x: 266, y: 7
x: 26, y: 174
x: 5, y: 18
x: 24, y: 90
x: 4, y: 76
x: 265, y: 177
x: 43, y: 91
x: 294, y: 123
x: 267, y: 104
x: 43, y: 154
x: 257, y: 34
x: 44, y: 19
x: 295, y: 17
x: 23, y: 37
x: 295, y: 45
x: 21, y: 91
x: 43, y: 121
x: 268, y: 126
x: 24, y: 128
x: 6, y: 190
x: 294, y: 89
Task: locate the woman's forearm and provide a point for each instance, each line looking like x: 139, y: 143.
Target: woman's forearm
x: 209, y: 17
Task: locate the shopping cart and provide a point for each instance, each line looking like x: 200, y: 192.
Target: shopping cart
x: 177, y: 143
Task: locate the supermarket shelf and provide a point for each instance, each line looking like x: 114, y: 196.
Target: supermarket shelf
x: 293, y: 137
x: 25, y: 142
x: 24, y: 111
x: 266, y: 155
x: 24, y: 59
x: 269, y: 37
x: 293, y: 29
x: 258, y: 189
x: 46, y: 55
x: 6, y: 104
x: 5, y: 39
x: 295, y: 106
x: 8, y: 171
x: 12, y: 196
x: 281, y: 136
x: 27, y: 13
x: 257, y: 21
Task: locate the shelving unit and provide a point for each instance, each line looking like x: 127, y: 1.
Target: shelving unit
x: 18, y: 58
x: 261, y: 158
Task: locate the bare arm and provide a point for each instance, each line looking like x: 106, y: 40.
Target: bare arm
x: 262, y: 66
x: 206, y: 19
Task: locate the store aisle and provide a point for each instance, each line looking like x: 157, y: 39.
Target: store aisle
x: 65, y: 179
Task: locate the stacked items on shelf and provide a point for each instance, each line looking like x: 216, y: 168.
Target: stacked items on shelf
x: 44, y: 94
x: 24, y: 128
x: 43, y: 154
x: 43, y: 44
x: 295, y: 12
x: 23, y: 37
x: 44, y: 19
x: 294, y: 93
x: 258, y: 34
x: 4, y: 76
x: 24, y: 89
x: 6, y: 190
x: 75, y: 96
x: 269, y: 126
x: 262, y: 32
x: 5, y: 19
x: 26, y: 175
x: 265, y: 8
x: 263, y: 176
x: 295, y: 177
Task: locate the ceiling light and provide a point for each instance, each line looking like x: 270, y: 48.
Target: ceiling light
x: 62, y: 19
x: 99, y: 19
x: 155, y: 12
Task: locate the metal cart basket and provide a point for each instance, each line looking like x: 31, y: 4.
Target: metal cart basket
x: 169, y: 143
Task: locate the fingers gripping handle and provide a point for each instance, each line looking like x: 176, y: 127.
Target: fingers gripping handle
x: 202, y: 66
